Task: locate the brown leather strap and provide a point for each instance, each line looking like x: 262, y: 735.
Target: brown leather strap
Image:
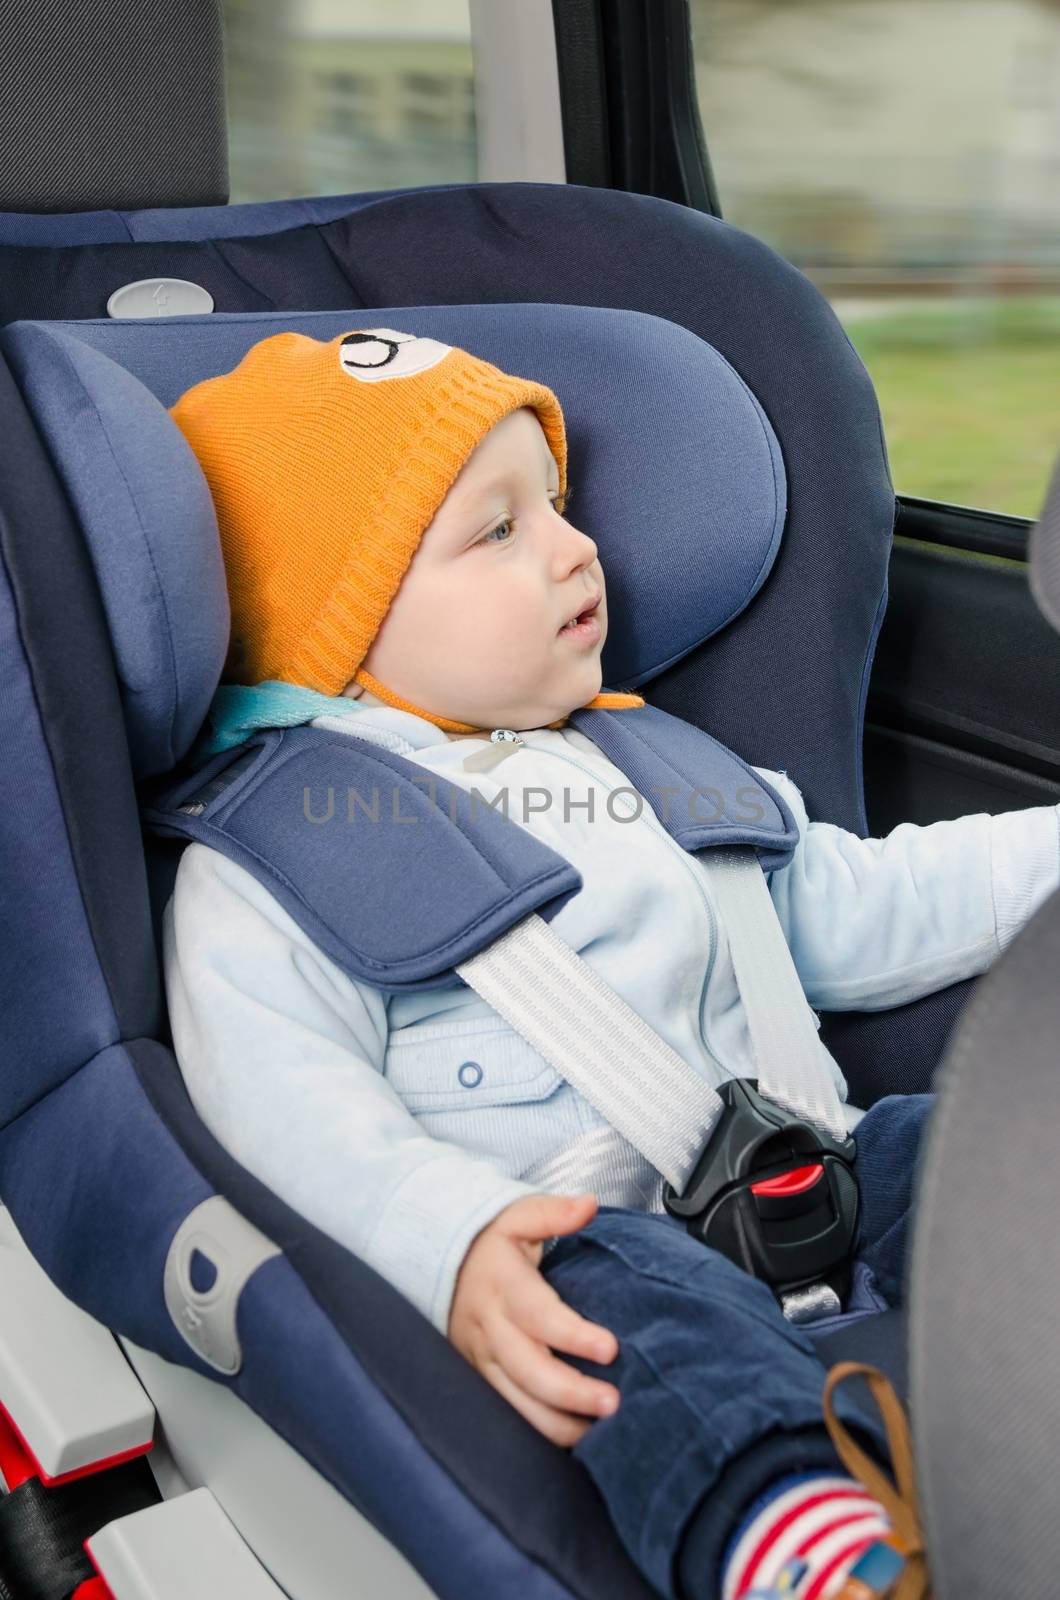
x: 898, y: 1497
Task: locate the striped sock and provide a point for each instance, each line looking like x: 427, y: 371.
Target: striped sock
x: 801, y: 1539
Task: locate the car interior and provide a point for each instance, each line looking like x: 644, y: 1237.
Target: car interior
x: 898, y: 655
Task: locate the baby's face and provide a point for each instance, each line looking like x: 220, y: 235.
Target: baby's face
x: 474, y: 632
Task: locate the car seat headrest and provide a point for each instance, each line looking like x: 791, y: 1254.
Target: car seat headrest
x: 677, y: 476
x: 149, y: 520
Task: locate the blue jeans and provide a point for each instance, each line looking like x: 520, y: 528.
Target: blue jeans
x: 720, y: 1394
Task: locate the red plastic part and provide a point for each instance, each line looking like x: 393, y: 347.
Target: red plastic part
x: 797, y: 1181
x: 17, y: 1461
x: 96, y: 1588
x: 93, y: 1589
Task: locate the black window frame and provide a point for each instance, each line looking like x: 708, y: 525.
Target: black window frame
x: 628, y: 99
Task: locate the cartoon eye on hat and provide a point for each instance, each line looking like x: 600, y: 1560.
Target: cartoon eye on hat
x: 372, y: 354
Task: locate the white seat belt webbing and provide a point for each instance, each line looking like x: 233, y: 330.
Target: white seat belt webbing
x: 565, y: 1010
x: 792, y: 1068
x: 646, y: 1091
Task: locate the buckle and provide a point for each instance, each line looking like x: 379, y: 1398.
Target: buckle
x: 774, y: 1194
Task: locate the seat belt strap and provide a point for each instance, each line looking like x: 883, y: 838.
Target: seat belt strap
x: 649, y: 1094
x: 603, y: 1163
x: 792, y: 1063
x: 565, y: 1010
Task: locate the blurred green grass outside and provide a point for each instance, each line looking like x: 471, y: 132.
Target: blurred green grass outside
x: 969, y: 392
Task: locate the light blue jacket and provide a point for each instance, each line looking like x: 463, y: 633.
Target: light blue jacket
x: 400, y: 1124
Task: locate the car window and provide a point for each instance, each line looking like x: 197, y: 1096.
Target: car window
x: 346, y: 96
x: 905, y: 155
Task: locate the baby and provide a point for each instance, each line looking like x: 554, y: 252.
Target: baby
x: 402, y: 569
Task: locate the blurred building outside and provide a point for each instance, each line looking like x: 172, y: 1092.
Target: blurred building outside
x: 345, y: 96
x: 889, y: 147
x: 903, y: 154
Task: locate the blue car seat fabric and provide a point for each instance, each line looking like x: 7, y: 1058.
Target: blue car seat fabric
x: 160, y: 575
x: 62, y: 229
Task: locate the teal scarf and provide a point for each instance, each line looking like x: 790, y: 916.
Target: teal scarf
x: 237, y: 710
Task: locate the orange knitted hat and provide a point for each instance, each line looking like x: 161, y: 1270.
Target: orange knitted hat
x: 326, y: 462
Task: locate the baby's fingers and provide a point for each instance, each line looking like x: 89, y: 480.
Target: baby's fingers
x: 559, y: 1426
x: 535, y: 1307
x: 554, y: 1382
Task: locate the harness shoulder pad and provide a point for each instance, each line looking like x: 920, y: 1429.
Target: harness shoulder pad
x: 395, y: 873
x: 702, y: 793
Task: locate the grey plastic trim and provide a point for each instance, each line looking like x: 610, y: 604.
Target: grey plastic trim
x: 313, y: 1541
x: 518, y: 117
x: 63, y: 1380
x: 206, y: 1319
x: 160, y: 297
x: 182, y: 1547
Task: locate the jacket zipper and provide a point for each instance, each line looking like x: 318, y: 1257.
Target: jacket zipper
x: 503, y: 742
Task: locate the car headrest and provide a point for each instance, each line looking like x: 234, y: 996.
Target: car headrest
x: 105, y: 110
x: 678, y: 475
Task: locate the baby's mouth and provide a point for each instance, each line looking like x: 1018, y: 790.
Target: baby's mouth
x: 585, y: 626
x: 583, y: 617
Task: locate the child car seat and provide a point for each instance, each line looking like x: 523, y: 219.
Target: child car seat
x: 490, y: 243
x: 113, y: 635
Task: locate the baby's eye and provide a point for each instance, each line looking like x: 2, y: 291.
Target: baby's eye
x: 561, y: 502
x: 486, y: 537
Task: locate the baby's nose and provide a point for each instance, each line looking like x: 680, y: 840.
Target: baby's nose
x: 585, y: 547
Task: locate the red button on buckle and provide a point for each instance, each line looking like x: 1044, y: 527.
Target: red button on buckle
x: 797, y: 1181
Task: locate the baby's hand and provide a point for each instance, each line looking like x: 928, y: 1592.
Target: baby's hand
x: 505, y: 1316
